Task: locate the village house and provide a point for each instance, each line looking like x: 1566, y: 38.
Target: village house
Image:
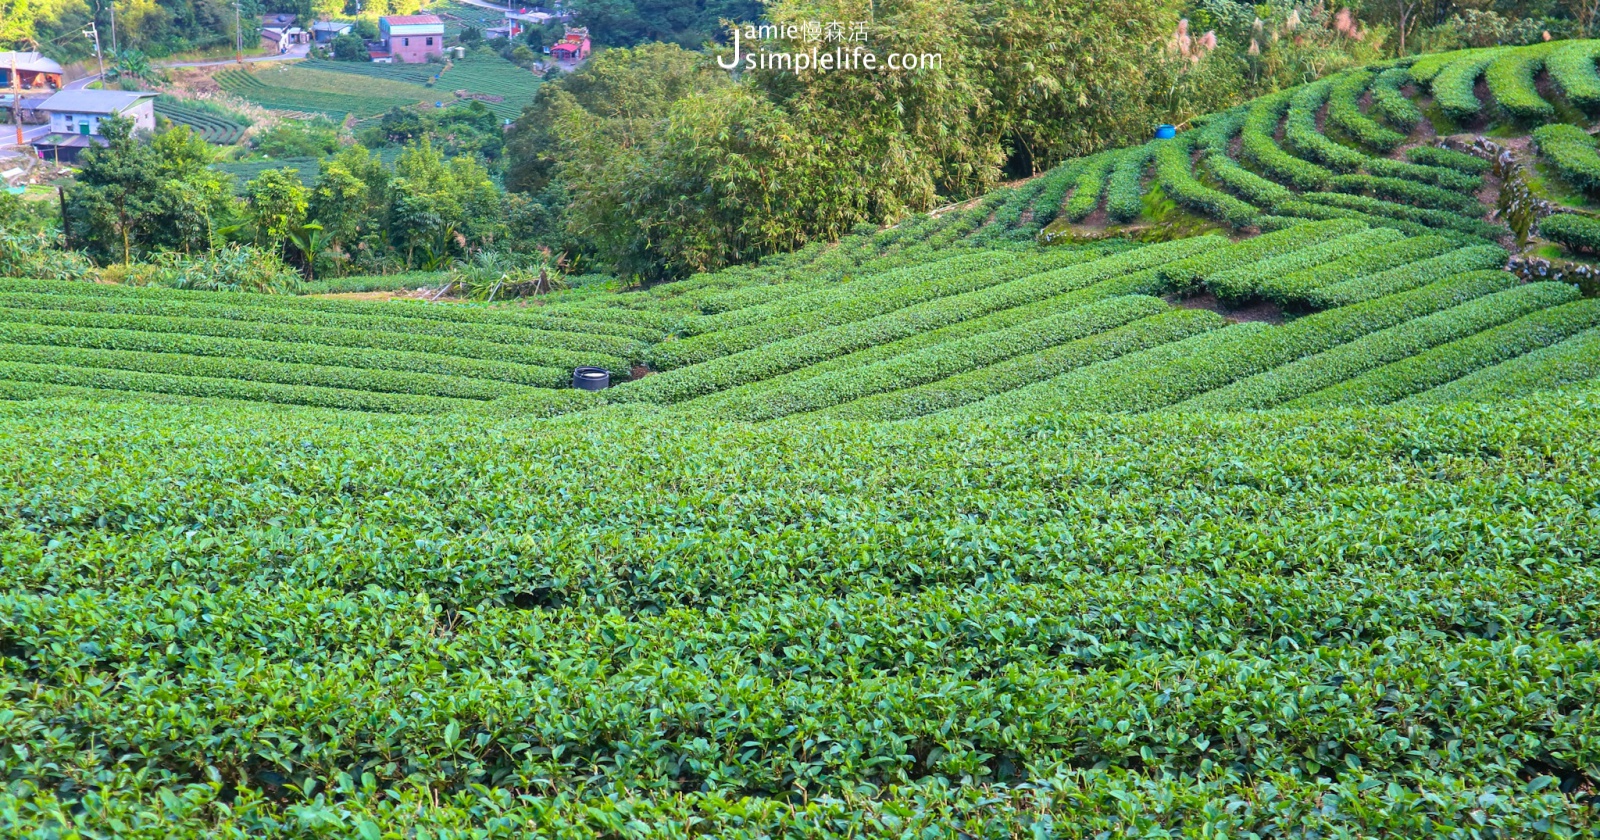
x: 75, y: 117
x: 411, y: 39
x: 573, y: 46
x: 324, y: 31
x: 34, y: 71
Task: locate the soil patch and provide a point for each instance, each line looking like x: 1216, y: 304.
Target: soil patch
x: 1263, y: 311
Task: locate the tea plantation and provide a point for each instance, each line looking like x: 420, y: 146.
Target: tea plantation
x: 1226, y: 486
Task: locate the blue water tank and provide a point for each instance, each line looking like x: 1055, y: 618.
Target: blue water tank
x: 1166, y: 132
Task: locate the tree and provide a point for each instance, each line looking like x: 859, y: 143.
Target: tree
x: 349, y: 47
x: 1584, y: 12
x: 276, y: 203
x: 132, y: 198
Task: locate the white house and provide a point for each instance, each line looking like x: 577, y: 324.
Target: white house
x: 80, y: 111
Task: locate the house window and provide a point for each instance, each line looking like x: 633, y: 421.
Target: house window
x: 405, y: 42
x: 430, y: 40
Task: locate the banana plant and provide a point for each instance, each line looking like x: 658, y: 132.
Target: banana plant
x: 310, y: 241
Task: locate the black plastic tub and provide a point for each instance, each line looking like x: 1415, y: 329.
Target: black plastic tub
x: 591, y: 378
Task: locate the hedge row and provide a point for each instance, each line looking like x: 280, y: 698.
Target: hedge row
x: 1571, y: 231
x: 1009, y: 213
x: 1572, y: 151
x: 1502, y: 301
x: 834, y: 294
x: 1256, y: 144
x: 1405, y: 191
x: 1448, y: 158
x: 1425, y: 68
x: 1452, y: 361
x: 1089, y: 186
x: 861, y: 306
x: 1392, y: 105
x: 1511, y: 79
x: 467, y: 378
x: 1439, y: 176
x: 972, y: 386
x: 378, y: 344
x: 256, y: 370
x: 1246, y: 280
x: 402, y: 309
x: 1453, y: 86
x: 794, y: 353
x: 1187, y: 275
x: 557, y: 349
x: 1344, y: 113
x: 1406, y: 212
x: 1125, y: 189
x: 1298, y: 212
x: 1301, y: 134
x: 237, y: 389
x: 1295, y: 289
x: 1173, y: 172
x: 765, y: 401
x: 1233, y: 354
x: 1459, y: 261
x: 1572, y: 66
x: 1140, y: 282
x: 1053, y: 194
x: 1117, y: 385
x: 1575, y: 360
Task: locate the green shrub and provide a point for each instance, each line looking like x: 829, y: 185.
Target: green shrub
x: 237, y: 389
x: 1301, y: 134
x: 765, y: 400
x: 1420, y: 215
x: 1459, y: 261
x: 1089, y: 186
x: 1572, y: 66
x: 1438, y: 176
x: 1256, y: 144
x: 972, y: 386
x: 1344, y: 112
x: 1502, y: 301
x: 1511, y: 80
x: 1571, y: 231
x: 1448, y: 158
x: 89, y: 313
x: 1571, y: 150
x: 1575, y: 360
x: 1246, y: 281
x: 1187, y: 275
x: 1125, y: 189
x: 1458, y: 358
x: 1410, y: 192
x: 1172, y: 171
x: 1295, y: 288
x: 1392, y: 105
x: 1453, y: 86
x: 811, y: 347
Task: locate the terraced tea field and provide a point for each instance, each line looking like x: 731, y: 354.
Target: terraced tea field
x: 320, y: 92
x: 211, y: 127
x: 1285, y: 529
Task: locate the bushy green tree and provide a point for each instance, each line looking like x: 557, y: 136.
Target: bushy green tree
x: 276, y: 203
x: 132, y: 197
x: 349, y: 47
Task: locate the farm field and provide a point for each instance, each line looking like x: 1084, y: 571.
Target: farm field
x: 1017, y: 519
x: 211, y: 127
x: 319, y: 91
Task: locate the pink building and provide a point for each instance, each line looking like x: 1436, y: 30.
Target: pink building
x: 412, y: 38
x: 573, y: 46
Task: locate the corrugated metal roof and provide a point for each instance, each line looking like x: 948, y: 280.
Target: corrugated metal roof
x: 95, y: 101
x: 30, y: 61
x: 413, y: 20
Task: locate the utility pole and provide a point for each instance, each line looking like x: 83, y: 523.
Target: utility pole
x: 238, y: 35
x: 112, y: 4
x: 93, y: 34
x: 16, y: 99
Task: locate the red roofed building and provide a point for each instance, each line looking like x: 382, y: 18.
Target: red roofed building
x: 412, y: 38
x: 574, y: 46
